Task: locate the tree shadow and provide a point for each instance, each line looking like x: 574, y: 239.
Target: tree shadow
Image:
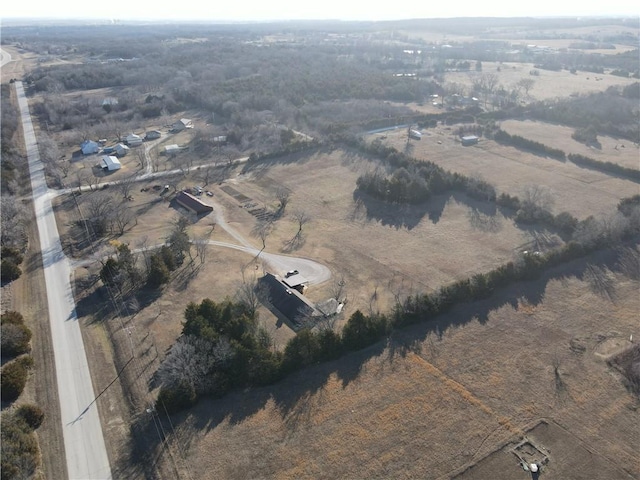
x: 409, y: 216
x: 298, y: 396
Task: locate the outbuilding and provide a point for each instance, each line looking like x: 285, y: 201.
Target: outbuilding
x: 133, y: 140
x: 182, y: 124
x: 469, y: 140
x: 152, y: 135
x: 121, y: 149
x: 89, y: 146
x: 193, y: 204
x: 110, y: 163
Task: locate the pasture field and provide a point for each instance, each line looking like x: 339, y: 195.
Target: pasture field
x: 548, y: 84
x: 433, y: 402
x: 621, y: 152
x: 579, y: 191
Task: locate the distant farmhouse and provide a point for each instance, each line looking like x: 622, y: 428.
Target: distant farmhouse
x: 181, y: 125
x: 192, y: 204
x: 110, y: 163
x: 89, y: 146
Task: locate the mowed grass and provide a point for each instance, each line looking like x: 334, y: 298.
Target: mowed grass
x: 579, y: 191
x: 445, y: 404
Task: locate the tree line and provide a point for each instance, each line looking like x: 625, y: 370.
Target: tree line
x: 223, y: 349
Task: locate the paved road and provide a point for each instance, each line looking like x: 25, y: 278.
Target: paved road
x: 5, y: 58
x: 85, y: 449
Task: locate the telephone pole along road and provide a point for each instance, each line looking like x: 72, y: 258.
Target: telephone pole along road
x: 84, y: 445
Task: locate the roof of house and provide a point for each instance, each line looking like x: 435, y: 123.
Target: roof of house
x: 109, y: 162
x: 192, y: 203
x: 294, y: 280
x: 287, y: 301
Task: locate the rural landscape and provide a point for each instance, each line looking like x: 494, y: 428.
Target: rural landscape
x: 321, y: 249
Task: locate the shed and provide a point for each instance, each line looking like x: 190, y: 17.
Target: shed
x: 110, y: 163
x: 193, y: 204
x: 469, y: 140
x: 121, y: 149
x: 171, y: 149
x: 152, y: 135
x: 415, y: 134
x: 89, y: 146
x: 182, y: 124
x: 133, y: 140
x: 286, y: 301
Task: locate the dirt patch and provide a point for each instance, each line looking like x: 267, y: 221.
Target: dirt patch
x: 560, y: 453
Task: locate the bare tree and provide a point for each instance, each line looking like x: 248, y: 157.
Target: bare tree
x: 338, y: 288
x: 250, y: 292
x: 262, y: 230
x: 283, y: 196
x: 192, y: 359
x: 201, y: 244
x: 302, y: 218
x: 536, y: 199
x: 142, y: 157
x: 628, y: 262
x: 122, y: 217
x: 526, y: 84
x: 125, y: 185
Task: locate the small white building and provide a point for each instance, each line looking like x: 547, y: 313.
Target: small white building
x: 89, y: 146
x: 172, y: 149
x: 133, y: 140
x: 109, y: 163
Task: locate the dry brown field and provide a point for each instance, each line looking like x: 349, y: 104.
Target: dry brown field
x: 429, y: 406
x: 621, y: 152
x: 548, y: 84
x: 579, y: 191
x: 379, y: 250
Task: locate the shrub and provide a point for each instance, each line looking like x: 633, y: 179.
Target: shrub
x: 10, y: 271
x: 12, y: 317
x: 13, y: 378
x: 176, y: 398
x: 31, y: 414
x: 15, y: 339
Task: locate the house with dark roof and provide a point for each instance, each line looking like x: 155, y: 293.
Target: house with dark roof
x: 192, y: 204
x: 286, y: 301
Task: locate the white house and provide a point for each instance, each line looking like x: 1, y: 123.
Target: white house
x: 110, y: 163
x: 89, y: 146
x: 133, y: 140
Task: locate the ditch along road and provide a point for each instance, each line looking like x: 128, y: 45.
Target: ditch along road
x: 84, y: 445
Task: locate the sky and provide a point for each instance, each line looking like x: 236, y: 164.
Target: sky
x: 261, y: 10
